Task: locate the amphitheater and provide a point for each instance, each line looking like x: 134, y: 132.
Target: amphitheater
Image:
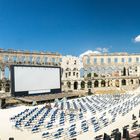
x: 124, y: 69
x: 85, y: 116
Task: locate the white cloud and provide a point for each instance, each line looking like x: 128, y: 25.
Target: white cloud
x: 98, y: 50
x: 137, y: 38
x: 103, y: 50
x: 88, y: 52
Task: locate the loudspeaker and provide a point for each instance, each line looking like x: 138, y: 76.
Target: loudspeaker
x: 89, y: 92
x: 138, y: 135
x: 11, y: 138
x: 124, y: 132
x: 106, y: 137
x: 2, y: 103
x: 117, y: 136
x: 127, y: 135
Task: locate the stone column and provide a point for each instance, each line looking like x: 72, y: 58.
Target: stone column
x: 93, y: 83
x: 79, y: 85
x: 41, y: 60
x: 120, y: 83
x: 3, y: 87
x: 99, y: 83
x: 86, y: 85
x: 113, y: 83
x: 2, y: 73
x: 72, y: 85
x: 127, y: 82
x: 9, y: 78
x: 9, y: 59
x: 106, y: 83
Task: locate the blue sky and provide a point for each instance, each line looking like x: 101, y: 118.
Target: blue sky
x: 70, y: 26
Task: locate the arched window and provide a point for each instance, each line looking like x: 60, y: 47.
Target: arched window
x: 77, y: 74
x: 124, y: 71
x: 5, y: 58
x: 7, y: 73
x: 123, y: 82
x: 103, y: 83
x: 74, y: 69
x: 96, y: 84
x: 89, y: 84
x: 14, y: 59
x: 88, y: 60
x: 68, y: 69
x: 82, y: 84
x: 38, y: 60
x: 82, y: 72
x: 132, y: 81
x: 23, y: 59
x: 75, y: 85
x: 69, y: 84
x: 7, y: 87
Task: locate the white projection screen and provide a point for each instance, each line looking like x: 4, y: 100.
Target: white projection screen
x: 29, y: 80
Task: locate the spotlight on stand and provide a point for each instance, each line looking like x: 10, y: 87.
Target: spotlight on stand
x: 89, y: 92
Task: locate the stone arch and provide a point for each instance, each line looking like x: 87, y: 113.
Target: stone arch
x: 83, y: 84
x: 38, y: 60
x: 124, y: 71
x: 75, y: 85
x: 77, y: 74
x: 131, y: 81
x: 7, y: 87
x: 117, y: 83
x: 87, y: 60
x: 69, y: 84
x: 123, y: 82
x: 96, y: 83
x: 7, y: 72
x: 103, y: 83
x: 82, y: 71
x: 45, y: 60
x: 0, y: 84
x: 109, y: 69
x: 30, y: 59
x: 23, y: 59
x: 14, y: 59
x: 68, y: 69
x: 75, y: 69
x: 89, y: 84
x: 5, y: 58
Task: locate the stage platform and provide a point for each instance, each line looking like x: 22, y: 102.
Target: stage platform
x: 50, y: 97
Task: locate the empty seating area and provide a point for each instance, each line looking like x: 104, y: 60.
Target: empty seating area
x: 71, y: 118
